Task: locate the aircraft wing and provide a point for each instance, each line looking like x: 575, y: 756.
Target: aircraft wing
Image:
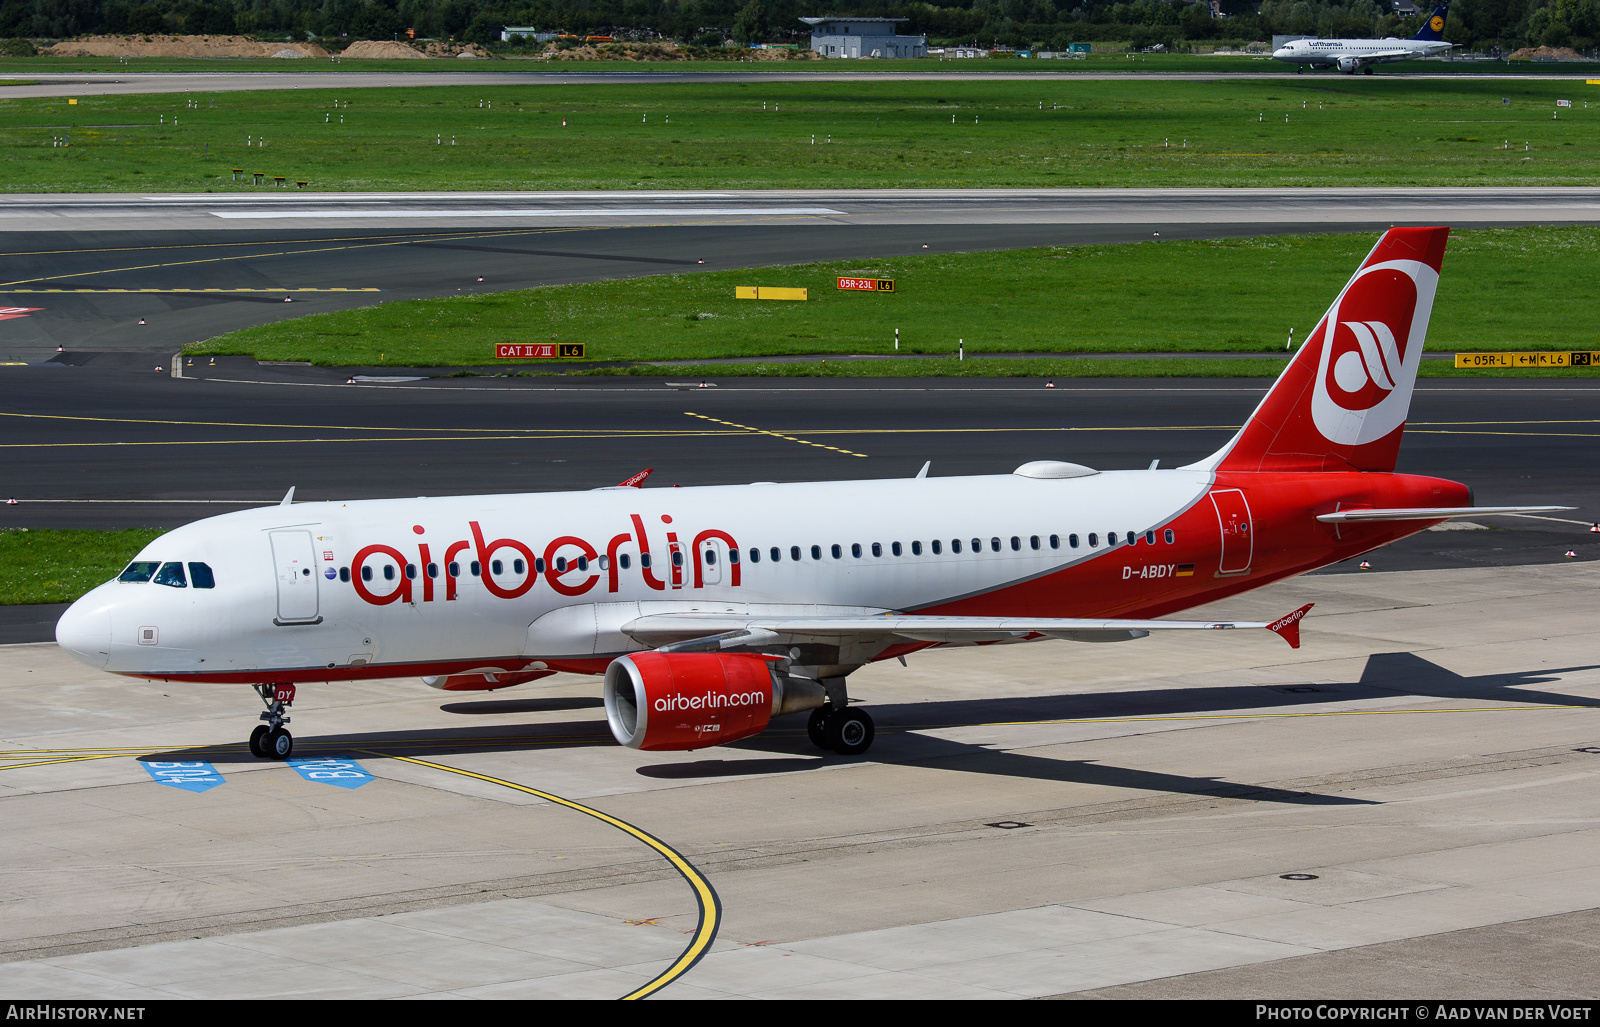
x: 688, y: 632
x: 1386, y: 55
x: 1423, y: 513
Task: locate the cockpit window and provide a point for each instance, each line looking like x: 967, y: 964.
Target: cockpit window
x: 200, y: 575
x: 139, y: 570
x: 171, y: 574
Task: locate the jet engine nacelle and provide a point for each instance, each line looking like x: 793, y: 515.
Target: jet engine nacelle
x: 485, y: 682
x: 1348, y: 65
x: 693, y: 700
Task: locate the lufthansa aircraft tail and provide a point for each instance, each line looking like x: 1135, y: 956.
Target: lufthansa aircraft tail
x: 1433, y: 29
x: 1341, y: 404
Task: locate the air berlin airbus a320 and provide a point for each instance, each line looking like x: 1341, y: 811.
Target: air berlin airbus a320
x: 712, y: 610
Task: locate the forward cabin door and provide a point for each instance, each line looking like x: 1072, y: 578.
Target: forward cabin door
x: 1238, y: 542
x: 295, y: 561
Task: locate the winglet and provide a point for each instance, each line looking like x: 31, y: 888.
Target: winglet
x: 1289, y: 627
x: 288, y: 497
x: 637, y: 481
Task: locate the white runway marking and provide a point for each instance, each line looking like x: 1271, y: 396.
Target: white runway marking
x: 542, y: 212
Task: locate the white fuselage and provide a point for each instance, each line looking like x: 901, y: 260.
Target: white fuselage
x: 1327, y: 53
x: 554, y: 575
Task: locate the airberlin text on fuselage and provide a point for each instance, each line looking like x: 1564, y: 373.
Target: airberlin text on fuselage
x: 571, y: 565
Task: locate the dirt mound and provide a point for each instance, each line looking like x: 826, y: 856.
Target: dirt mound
x: 380, y: 50
x: 457, y: 50
x: 179, y: 46
x: 1547, y: 53
x: 665, y: 51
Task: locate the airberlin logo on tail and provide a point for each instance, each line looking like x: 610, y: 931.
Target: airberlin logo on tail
x: 1371, y: 342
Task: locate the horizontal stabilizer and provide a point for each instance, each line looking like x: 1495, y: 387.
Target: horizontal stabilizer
x: 1440, y: 513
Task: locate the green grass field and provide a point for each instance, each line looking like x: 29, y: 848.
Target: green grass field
x: 1514, y: 288
x: 1293, y: 130
x: 47, y: 566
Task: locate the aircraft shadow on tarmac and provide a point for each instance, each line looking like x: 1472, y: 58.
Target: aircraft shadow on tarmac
x: 903, y: 726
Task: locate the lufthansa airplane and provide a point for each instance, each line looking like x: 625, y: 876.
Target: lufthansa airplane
x: 712, y: 610
x: 1351, y: 55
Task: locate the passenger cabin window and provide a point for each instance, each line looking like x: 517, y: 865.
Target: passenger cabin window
x: 1033, y: 541
x: 816, y: 552
x: 877, y: 549
x: 344, y: 574
x: 1150, y: 537
x: 517, y: 566
x: 977, y: 545
x: 200, y: 576
x: 776, y: 554
x: 1072, y: 541
x: 538, y: 565
x: 388, y: 572
x: 139, y: 571
x: 171, y: 574
x: 916, y: 548
x: 794, y: 552
x: 624, y: 560
x: 837, y: 552
x: 411, y: 571
x: 1169, y: 536
x: 561, y: 565
x: 455, y: 568
x: 755, y: 556
x: 644, y: 560
x: 855, y: 550
x: 937, y: 545
x: 1016, y: 543
x: 677, y: 559
x: 366, y: 574
x: 1094, y: 540
x: 955, y: 545
x: 711, y: 557
x: 496, y: 567
x: 475, y: 567
x: 433, y: 570
x: 894, y: 547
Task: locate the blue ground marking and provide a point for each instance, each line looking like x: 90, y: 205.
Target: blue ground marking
x: 340, y: 773
x: 190, y: 775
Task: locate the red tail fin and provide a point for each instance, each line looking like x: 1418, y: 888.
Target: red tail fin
x: 1341, y: 403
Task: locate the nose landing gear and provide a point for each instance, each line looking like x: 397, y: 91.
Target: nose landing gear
x: 270, y: 740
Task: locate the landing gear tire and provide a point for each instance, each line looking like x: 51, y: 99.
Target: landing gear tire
x: 278, y: 744
x: 849, y: 732
x: 258, y: 745
x: 817, y: 727
x: 1366, y: 71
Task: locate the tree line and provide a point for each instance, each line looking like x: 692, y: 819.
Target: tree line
x: 1042, y: 23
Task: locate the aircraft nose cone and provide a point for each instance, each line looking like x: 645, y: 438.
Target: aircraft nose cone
x: 85, y: 632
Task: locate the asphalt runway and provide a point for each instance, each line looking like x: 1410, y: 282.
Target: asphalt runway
x: 79, y: 273
x: 87, y: 291
x: 113, y: 443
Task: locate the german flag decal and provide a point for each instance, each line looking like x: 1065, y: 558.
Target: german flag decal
x: 1185, y: 570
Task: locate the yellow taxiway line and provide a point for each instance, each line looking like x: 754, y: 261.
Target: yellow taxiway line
x: 705, y: 896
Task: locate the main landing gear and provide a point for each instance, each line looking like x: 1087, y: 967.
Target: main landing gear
x: 847, y: 732
x: 270, y: 740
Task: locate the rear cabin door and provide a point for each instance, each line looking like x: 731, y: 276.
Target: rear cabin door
x: 295, y: 561
x: 1238, y: 542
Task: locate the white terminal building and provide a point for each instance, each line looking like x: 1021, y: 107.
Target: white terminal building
x: 863, y: 37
